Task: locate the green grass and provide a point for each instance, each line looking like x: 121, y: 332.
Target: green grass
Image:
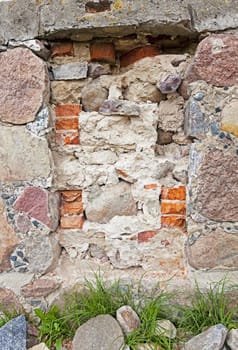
x: 208, y: 309
x: 205, y: 309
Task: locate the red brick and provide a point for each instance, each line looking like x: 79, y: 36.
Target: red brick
x: 103, y: 52
x: 67, y: 123
x: 145, y: 236
x: 62, y: 49
x: 71, y: 208
x: 67, y: 138
x: 173, y: 221
x: 71, y: 140
x: 173, y: 193
x: 150, y: 187
x: 138, y: 53
x: 72, y: 222
x: 67, y: 110
x: 71, y: 203
x: 71, y: 195
x: 170, y: 207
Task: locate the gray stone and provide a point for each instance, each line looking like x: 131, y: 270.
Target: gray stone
x: 42, y: 253
x: 100, y: 333
x: 24, y: 86
x: 224, y: 248
x: 212, y: 339
x: 194, y: 123
x: 120, y: 107
x: 41, y: 123
x: 142, y: 91
x: 22, y: 21
x: 216, y: 192
x: 13, y: 334
x: 232, y: 339
x: 215, y: 16
x: 170, y: 84
x: 170, y: 113
x: 70, y: 71
x: 127, y: 319
x: 112, y: 201
x: 96, y: 69
x: 24, y: 157
x: 19, y: 20
x: 93, y: 95
x: 166, y: 328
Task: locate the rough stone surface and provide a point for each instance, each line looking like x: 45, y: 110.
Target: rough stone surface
x: 118, y: 107
x: 194, y: 123
x: 127, y: 319
x: 140, y: 91
x: 93, y: 96
x: 213, y: 338
x: 13, y: 334
x: 8, y: 239
x: 40, y: 288
x: 232, y: 339
x: 112, y: 201
x: 24, y: 86
x: 70, y: 71
x: 34, y: 45
x: 166, y: 328
x: 66, y: 92
x: 24, y: 157
x: 42, y: 253
x: 229, y: 121
x: 216, y: 191
x: 170, y: 84
x: 41, y: 205
x: 8, y: 299
x: 170, y: 114
x: 101, y: 333
x: 216, y: 61
x: 223, y: 247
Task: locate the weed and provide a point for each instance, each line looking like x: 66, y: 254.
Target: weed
x: 53, y: 327
x: 207, y: 309
x: 153, y: 310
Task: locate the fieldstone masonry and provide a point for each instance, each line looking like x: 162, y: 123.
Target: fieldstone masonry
x: 118, y: 144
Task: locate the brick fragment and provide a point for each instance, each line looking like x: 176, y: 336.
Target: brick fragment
x: 71, y: 195
x: 67, y: 138
x: 67, y: 110
x: 173, y: 221
x: 104, y: 52
x: 71, y: 140
x: 71, y: 208
x: 67, y: 124
x: 72, y: 222
x: 171, y: 207
x: 150, y: 187
x: 173, y: 193
x: 138, y: 53
x: 62, y: 49
x: 145, y: 236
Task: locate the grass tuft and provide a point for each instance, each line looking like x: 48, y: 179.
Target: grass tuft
x: 207, y: 309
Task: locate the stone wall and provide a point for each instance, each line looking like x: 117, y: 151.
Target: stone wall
x: 118, y: 145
